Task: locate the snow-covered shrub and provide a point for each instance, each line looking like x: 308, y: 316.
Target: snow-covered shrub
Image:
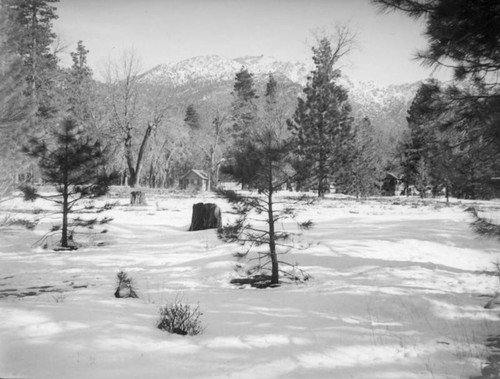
x: 183, y: 319
x: 125, y: 286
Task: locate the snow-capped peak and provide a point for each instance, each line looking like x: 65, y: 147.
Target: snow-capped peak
x: 217, y: 68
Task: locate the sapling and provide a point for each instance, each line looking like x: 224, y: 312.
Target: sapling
x: 259, y: 159
x: 73, y: 162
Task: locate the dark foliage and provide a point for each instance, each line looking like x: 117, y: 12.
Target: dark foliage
x: 74, y: 165
x: 453, y: 141
x: 461, y: 33
x: 29, y: 36
x: 243, y: 107
x: 260, y: 160
x: 321, y: 123
x: 192, y: 118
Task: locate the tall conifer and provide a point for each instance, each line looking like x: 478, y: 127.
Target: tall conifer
x: 243, y: 107
x: 321, y: 121
x: 29, y: 35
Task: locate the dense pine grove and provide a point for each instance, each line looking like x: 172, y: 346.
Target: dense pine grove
x: 449, y: 145
x: 453, y: 139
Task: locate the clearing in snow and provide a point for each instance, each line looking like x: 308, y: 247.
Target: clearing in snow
x: 397, y: 290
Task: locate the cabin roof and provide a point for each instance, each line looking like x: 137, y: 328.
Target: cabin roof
x: 200, y: 173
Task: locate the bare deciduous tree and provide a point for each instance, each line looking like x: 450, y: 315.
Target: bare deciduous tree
x: 134, y: 116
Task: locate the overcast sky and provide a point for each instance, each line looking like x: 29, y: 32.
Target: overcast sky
x: 162, y: 31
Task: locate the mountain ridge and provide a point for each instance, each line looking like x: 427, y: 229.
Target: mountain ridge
x: 221, y: 68
x: 215, y: 67
x: 210, y: 79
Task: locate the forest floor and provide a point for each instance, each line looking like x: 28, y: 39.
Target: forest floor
x: 397, y: 290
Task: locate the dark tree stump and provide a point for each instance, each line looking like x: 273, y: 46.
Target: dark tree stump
x: 124, y: 291
x: 205, y: 216
x: 138, y: 198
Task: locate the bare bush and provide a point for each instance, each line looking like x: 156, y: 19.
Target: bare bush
x: 183, y: 319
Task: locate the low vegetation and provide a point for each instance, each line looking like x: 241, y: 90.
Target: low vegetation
x: 182, y: 319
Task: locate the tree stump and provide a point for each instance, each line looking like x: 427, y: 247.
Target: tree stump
x: 138, y: 198
x: 124, y: 291
x: 205, y: 216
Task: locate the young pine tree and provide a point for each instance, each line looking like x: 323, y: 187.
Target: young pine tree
x: 261, y: 163
x: 72, y: 163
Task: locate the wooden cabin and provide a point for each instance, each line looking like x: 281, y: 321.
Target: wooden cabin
x: 194, y: 180
x: 391, y: 185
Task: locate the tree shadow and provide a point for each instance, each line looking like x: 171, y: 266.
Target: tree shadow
x: 492, y: 368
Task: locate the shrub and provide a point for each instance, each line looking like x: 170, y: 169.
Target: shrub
x: 178, y: 318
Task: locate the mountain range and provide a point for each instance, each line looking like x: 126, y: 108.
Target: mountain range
x: 211, y: 79
x: 215, y: 68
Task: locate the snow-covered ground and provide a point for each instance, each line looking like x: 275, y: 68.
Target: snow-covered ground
x: 398, y: 290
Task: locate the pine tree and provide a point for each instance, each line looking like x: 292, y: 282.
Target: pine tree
x: 80, y: 87
x: 260, y: 162
x: 74, y: 165
x: 322, y: 120
x: 80, y: 68
x: 243, y: 107
x: 15, y: 112
x: 271, y: 90
x: 447, y: 144
x: 462, y: 34
x: 29, y: 35
x: 422, y: 124
x: 467, y: 141
x: 465, y: 36
x: 192, y: 118
x: 244, y: 86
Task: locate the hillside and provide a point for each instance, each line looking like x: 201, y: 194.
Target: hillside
x: 210, y: 79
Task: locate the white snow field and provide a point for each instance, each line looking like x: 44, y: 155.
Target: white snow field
x: 398, y: 290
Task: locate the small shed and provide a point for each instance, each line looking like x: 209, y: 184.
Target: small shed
x: 194, y: 180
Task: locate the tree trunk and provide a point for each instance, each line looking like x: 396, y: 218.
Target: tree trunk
x: 272, y: 241
x: 138, y: 198
x: 205, y: 216
x: 64, y: 230
x: 132, y: 180
x: 65, y: 195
